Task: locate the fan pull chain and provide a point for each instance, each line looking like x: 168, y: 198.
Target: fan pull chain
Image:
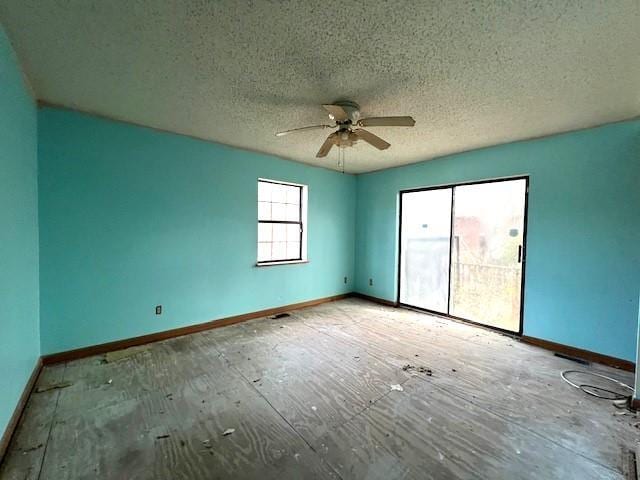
x: 341, y: 159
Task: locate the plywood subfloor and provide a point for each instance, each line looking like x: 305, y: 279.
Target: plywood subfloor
x: 323, y: 394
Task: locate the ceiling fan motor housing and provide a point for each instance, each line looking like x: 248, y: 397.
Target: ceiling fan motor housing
x: 346, y: 138
x: 351, y: 108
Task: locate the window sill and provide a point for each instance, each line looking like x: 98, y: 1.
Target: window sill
x: 287, y: 262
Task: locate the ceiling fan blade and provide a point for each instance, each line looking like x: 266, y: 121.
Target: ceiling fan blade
x: 374, y: 140
x: 326, y: 146
x: 302, y: 129
x: 337, y: 112
x: 387, y: 122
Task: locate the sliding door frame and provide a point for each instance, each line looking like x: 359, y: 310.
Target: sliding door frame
x: 453, y: 200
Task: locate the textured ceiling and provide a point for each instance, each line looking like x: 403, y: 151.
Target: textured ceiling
x: 472, y: 73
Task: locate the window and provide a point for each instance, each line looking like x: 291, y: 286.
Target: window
x: 281, y: 222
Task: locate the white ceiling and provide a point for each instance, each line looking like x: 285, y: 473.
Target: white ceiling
x: 472, y: 73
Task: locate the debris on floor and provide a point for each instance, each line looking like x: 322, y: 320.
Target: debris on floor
x: 622, y: 403
x: 397, y: 387
x: 413, y: 368
x: 279, y: 315
x: 228, y: 431
x: 629, y: 413
x: 53, y: 386
x: 160, y: 437
x: 27, y: 450
x: 616, y: 390
x: 116, y: 356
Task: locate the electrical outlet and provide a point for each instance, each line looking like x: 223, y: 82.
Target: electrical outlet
x: 158, y: 309
x: 371, y: 282
x: 345, y: 279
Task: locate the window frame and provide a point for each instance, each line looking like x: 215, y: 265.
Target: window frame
x: 301, y: 258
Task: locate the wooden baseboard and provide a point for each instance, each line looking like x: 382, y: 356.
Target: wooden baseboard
x: 381, y: 301
x: 178, y: 332
x: 580, y: 353
x: 18, y: 411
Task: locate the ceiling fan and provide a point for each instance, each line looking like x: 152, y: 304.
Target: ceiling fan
x: 346, y: 116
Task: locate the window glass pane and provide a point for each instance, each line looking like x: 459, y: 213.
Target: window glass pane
x: 293, y: 249
x: 279, y: 232
x: 279, y: 251
x: 264, y: 191
x: 424, y: 267
x: 264, y: 252
x: 485, y: 264
x: 264, y: 232
x: 279, y: 211
x: 278, y: 193
x: 293, y: 232
x: 292, y: 212
x: 293, y: 195
x: 264, y: 211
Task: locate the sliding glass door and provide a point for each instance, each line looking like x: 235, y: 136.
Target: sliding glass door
x: 462, y: 251
x: 426, y: 230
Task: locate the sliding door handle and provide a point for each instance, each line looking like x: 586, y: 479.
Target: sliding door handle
x: 519, y: 253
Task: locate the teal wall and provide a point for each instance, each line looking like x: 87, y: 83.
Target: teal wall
x: 583, y: 261
x: 19, y: 328
x: 131, y: 218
